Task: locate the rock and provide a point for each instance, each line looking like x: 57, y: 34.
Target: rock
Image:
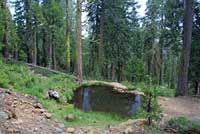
x: 37, y: 105
x: 47, y: 115
x: 35, y: 130
x: 61, y: 125
x: 128, y: 130
x: 53, y: 94
x: 3, y: 116
x: 8, y: 92
x: 38, y: 111
x: 69, y: 117
x: 14, y: 104
x: 11, y: 113
x: 59, y: 131
x: 70, y: 130
x: 88, y: 131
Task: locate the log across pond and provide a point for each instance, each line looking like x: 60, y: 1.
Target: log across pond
x: 107, y: 97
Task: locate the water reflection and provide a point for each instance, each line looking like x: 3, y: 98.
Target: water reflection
x: 86, y: 100
x: 135, y: 105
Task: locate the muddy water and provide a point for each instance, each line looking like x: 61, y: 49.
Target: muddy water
x: 106, y: 99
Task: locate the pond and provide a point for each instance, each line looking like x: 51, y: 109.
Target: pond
x: 106, y: 98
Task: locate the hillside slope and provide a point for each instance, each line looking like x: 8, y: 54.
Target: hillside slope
x: 24, y: 115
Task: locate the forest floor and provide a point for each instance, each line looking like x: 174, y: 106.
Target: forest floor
x: 188, y: 107
x: 22, y: 114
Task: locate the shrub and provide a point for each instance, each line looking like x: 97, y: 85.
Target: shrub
x: 184, y: 125
x: 158, y: 90
x: 4, y: 80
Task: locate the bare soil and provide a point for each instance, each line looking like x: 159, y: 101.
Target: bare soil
x: 24, y: 115
x: 188, y: 107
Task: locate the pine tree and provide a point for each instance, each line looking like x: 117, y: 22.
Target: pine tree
x: 79, y: 42
x: 182, y: 87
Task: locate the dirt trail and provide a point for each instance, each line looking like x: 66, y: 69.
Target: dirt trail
x: 180, y: 107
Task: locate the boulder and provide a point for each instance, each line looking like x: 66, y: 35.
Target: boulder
x: 37, y: 105
x: 52, y: 94
x: 3, y: 116
x: 59, y: 131
x: 70, y: 130
x: 47, y: 115
x: 69, y: 117
x: 129, y: 130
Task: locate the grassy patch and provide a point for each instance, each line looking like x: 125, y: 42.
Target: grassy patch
x: 96, y: 119
x: 19, y: 78
x: 158, y: 90
x: 151, y: 130
x: 184, y: 125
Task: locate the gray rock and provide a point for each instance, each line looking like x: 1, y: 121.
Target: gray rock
x: 38, y: 105
x: 59, y: 131
x: 53, y: 94
x: 3, y: 116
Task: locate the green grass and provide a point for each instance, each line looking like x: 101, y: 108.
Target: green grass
x: 96, y: 119
x: 151, y: 130
x: 20, y: 79
x: 184, y: 125
x: 158, y: 90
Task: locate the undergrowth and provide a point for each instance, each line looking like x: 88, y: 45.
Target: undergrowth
x: 158, y: 89
x: 19, y: 78
x: 184, y: 125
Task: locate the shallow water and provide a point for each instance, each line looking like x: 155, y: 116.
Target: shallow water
x: 135, y: 105
x: 86, y: 100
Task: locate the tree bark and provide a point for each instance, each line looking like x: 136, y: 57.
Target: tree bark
x: 5, y: 35
x: 182, y: 86
x: 161, y: 66
x: 35, y: 48
x: 79, y: 43
x: 68, y: 36
x: 54, y: 57
x: 101, y: 52
x: 28, y: 31
x: 50, y: 51
x: 44, y: 50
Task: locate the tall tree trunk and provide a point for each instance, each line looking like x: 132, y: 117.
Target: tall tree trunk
x: 50, y: 50
x: 79, y: 43
x: 113, y: 72
x: 44, y: 50
x: 68, y: 36
x: 174, y: 75
x: 182, y: 86
x: 54, y: 57
x: 5, y: 35
x: 170, y: 66
x: 101, y: 52
x: 28, y: 31
x: 35, y: 48
x: 53, y: 51
x: 15, y: 53
x: 161, y: 66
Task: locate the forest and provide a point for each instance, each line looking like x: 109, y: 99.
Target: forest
x: 71, y: 46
